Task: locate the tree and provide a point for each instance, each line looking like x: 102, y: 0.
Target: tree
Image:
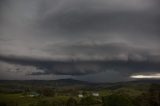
x: 90, y: 100
x: 43, y: 103
x: 150, y: 98
x: 3, y: 104
x: 142, y: 100
x: 47, y: 92
x: 72, y: 102
x: 59, y: 101
x: 117, y: 100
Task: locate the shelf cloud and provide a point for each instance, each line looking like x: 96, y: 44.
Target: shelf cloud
x: 77, y: 38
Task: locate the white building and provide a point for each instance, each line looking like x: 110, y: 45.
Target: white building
x: 95, y: 94
x: 80, y: 96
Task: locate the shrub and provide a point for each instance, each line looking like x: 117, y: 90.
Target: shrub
x: 117, y: 100
x: 90, y: 100
x: 43, y: 103
x: 3, y: 104
x: 72, y: 102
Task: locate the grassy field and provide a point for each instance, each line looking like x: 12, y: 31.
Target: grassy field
x: 46, y: 94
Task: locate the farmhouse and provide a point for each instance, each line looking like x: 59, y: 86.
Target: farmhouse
x: 80, y: 96
x: 95, y: 94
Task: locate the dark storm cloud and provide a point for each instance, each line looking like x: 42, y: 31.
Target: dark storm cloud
x: 85, y: 67
x: 104, y: 51
x: 2, y: 2
x: 82, y: 59
x: 81, y: 37
x: 78, y: 20
x: 88, y: 21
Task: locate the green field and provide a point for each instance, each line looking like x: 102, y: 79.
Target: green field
x: 15, y: 93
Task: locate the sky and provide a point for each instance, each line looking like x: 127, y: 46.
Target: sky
x: 90, y: 40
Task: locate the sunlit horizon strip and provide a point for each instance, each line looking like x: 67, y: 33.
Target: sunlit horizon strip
x: 153, y: 76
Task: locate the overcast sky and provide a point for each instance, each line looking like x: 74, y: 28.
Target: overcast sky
x: 92, y: 40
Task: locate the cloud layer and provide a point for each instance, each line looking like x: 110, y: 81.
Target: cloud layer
x: 72, y: 37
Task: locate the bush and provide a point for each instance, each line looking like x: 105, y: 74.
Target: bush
x: 117, y: 100
x: 3, y: 104
x: 43, y: 103
x: 59, y: 101
x: 72, y: 102
x: 90, y: 100
x: 47, y: 92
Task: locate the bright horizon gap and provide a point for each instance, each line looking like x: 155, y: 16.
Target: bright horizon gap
x: 152, y: 76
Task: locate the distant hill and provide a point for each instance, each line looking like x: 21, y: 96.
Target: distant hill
x: 47, y: 83
x: 152, y: 81
x: 72, y: 83
x: 136, y: 84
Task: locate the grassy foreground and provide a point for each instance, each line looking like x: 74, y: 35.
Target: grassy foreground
x: 121, y: 94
